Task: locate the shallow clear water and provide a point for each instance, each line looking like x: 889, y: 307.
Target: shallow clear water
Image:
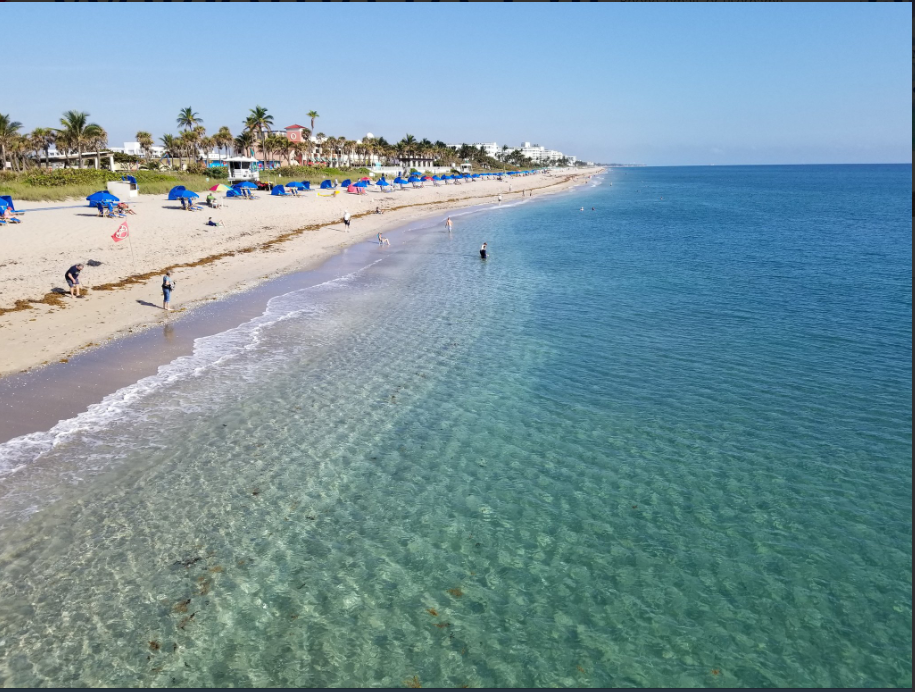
x: 665, y: 442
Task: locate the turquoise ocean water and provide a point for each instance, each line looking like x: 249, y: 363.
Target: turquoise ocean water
x: 663, y: 442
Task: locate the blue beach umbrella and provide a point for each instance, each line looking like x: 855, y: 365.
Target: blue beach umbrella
x: 400, y: 181
x: 383, y: 183
x: 245, y: 183
x: 296, y: 185
x: 188, y: 194
x: 101, y: 196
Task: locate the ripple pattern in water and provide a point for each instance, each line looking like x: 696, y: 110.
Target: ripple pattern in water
x: 663, y: 443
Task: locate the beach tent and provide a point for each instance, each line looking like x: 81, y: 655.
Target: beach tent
x: 278, y: 191
x: 326, y: 185
x: 174, y: 193
x: 306, y: 185
x: 3, y: 206
x: 346, y: 183
x: 219, y: 188
x: 7, y: 201
x: 102, y: 196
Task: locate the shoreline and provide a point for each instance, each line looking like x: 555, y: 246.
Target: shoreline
x: 36, y: 399
x: 55, y: 328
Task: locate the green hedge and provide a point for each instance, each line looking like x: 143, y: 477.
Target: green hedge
x: 316, y: 172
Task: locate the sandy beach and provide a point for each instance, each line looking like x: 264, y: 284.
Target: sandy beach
x: 260, y: 239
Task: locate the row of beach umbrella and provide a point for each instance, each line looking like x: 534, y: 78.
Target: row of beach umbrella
x: 181, y: 192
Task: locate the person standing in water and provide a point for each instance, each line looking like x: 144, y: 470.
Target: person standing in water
x: 483, y: 251
x: 448, y: 224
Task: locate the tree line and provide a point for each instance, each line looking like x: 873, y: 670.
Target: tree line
x: 193, y: 144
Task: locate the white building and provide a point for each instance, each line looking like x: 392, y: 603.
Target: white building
x: 134, y: 149
x: 488, y: 148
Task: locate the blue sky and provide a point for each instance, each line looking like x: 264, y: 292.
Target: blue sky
x: 664, y: 84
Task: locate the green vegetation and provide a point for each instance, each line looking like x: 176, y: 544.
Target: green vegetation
x: 77, y: 184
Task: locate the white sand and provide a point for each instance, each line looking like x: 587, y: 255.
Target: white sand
x: 35, y: 254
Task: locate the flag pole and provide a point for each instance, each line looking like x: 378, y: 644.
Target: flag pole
x: 132, y: 256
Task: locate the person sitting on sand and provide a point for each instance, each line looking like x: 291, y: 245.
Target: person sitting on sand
x: 210, y: 199
x: 124, y: 207
x: 9, y: 218
x: 378, y: 210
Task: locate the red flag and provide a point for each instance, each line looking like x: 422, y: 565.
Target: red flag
x: 121, y: 233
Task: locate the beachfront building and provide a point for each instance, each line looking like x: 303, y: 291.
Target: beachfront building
x: 420, y: 162
x: 134, y: 149
x: 488, y: 148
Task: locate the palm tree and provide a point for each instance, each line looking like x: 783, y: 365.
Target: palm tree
x: 299, y: 150
x: 223, y: 139
x: 258, y: 121
x: 207, y: 144
x: 98, y: 142
x: 188, y: 119
x: 9, y: 129
x: 145, y: 140
x: 320, y: 138
x: 18, y: 145
x: 170, y: 143
x: 189, y: 139
x: 78, y: 132
x: 285, y: 146
x: 43, y: 138
x: 313, y: 115
x: 244, y: 142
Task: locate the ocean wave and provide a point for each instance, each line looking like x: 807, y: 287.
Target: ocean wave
x: 123, y: 407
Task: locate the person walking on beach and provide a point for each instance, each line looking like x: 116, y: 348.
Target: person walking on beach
x: 500, y: 199
x: 483, y: 251
x: 72, y: 277
x: 167, y: 286
x: 346, y: 218
x: 448, y: 224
